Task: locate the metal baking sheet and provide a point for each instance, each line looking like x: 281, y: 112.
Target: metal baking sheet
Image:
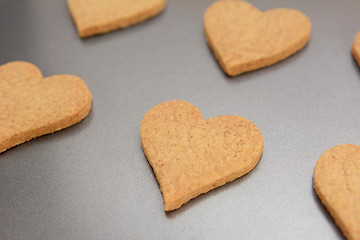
x: 92, y: 180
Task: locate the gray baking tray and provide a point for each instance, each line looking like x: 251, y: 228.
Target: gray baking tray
x: 92, y: 180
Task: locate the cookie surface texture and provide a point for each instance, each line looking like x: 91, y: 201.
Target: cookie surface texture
x: 356, y: 48
x: 94, y: 17
x: 244, y: 39
x: 190, y: 155
x: 31, y: 106
x: 337, y: 183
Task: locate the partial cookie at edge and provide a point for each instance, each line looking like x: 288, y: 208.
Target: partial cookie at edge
x: 32, y: 106
x: 336, y: 181
x: 356, y: 48
x: 93, y: 17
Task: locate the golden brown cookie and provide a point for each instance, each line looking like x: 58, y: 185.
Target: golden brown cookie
x: 31, y: 106
x: 337, y: 183
x: 94, y: 17
x: 190, y: 155
x: 356, y: 48
x: 244, y: 39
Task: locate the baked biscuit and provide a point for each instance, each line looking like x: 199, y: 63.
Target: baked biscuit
x: 31, y: 106
x: 356, y: 48
x: 190, y: 155
x: 244, y: 39
x: 337, y: 183
x: 94, y: 17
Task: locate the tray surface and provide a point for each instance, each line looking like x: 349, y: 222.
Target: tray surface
x: 92, y: 180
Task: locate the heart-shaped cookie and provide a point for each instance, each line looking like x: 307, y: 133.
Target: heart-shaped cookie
x: 244, y: 39
x: 31, y: 106
x: 337, y: 183
x: 356, y: 48
x: 190, y: 155
x: 93, y: 17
